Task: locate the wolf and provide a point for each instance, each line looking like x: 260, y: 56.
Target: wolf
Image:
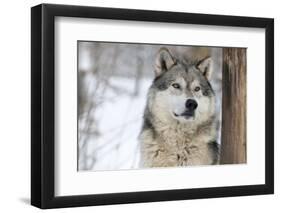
x: 179, y: 122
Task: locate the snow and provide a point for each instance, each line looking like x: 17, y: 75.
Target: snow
x: 119, y: 120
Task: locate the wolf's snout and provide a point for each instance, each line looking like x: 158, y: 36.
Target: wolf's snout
x: 191, y: 104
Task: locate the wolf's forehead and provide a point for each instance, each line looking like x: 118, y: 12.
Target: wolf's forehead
x: 187, y: 73
x: 181, y: 74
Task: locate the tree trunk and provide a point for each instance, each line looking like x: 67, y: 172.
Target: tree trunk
x: 233, y: 137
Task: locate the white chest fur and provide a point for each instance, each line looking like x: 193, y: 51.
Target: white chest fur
x: 177, y: 145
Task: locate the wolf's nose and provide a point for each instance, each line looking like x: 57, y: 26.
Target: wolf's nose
x: 191, y: 104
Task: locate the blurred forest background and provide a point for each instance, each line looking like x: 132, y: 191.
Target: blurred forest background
x: 113, y: 80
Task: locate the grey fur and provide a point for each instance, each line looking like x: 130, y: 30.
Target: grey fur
x: 168, y: 138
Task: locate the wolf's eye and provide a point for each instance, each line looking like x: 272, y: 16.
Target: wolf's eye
x: 197, y: 89
x: 175, y: 85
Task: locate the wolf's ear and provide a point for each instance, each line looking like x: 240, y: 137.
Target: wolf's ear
x: 164, y: 61
x: 205, y: 66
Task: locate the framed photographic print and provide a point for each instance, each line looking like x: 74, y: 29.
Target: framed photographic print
x: 140, y: 106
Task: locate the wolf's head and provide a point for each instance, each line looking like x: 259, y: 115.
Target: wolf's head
x: 181, y: 90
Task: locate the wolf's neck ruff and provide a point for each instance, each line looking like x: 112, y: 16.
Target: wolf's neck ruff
x: 184, y: 133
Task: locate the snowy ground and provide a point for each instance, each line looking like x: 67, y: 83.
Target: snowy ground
x: 119, y: 119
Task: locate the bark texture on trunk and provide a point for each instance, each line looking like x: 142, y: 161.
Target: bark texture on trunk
x: 233, y: 137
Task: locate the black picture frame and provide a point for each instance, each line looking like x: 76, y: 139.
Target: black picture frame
x: 43, y: 105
